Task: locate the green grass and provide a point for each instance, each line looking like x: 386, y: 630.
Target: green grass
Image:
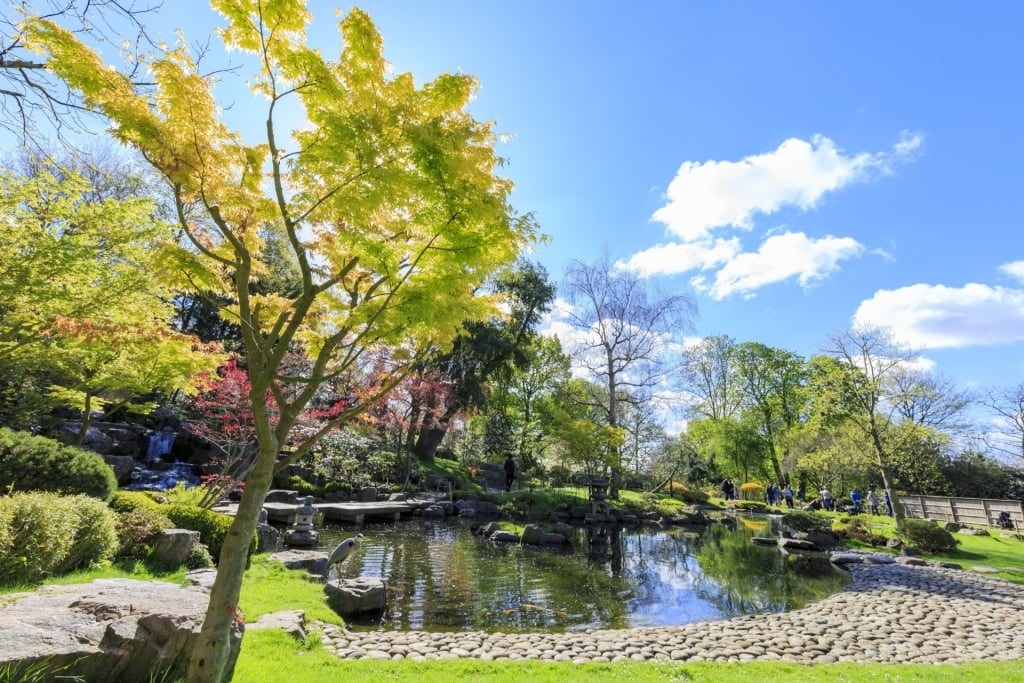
x: 269, y: 656
x: 122, y: 570
x: 270, y: 587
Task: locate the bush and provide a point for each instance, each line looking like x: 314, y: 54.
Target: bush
x: 95, y: 538
x: 558, y: 476
x: 138, y: 529
x: 860, y: 529
x: 691, y: 496
x: 927, y: 535
x: 199, y: 558
x: 36, y: 463
x: 805, y: 521
x: 129, y: 501
x: 44, y: 534
x: 303, y: 487
x: 751, y: 491
x: 212, y: 526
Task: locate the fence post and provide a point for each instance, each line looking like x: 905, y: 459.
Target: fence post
x: 988, y: 515
x: 952, y: 511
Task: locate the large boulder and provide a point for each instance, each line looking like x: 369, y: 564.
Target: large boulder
x: 351, y: 597
x: 108, y: 630
x: 173, y: 546
x: 122, y: 466
x: 533, y: 534
x: 313, y: 561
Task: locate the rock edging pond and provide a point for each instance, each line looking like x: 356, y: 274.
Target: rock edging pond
x: 890, y: 613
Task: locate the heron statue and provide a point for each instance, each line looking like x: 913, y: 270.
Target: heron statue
x: 344, y: 549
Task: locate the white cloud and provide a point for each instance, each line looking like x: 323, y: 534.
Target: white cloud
x: 937, y: 316
x: 780, y: 257
x: 713, y: 194
x: 1014, y: 269
x: 674, y: 257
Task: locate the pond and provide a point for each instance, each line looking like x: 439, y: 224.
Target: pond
x: 442, y: 577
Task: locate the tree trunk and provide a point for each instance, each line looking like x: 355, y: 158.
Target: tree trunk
x: 433, y: 431
x: 209, y: 661
x: 83, y: 429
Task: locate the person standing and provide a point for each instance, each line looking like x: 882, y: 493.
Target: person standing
x: 857, y: 500
x: 826, y: 498
x: 888, y: 502
x: 873, y: 502
x: 510, y: 472
x: 787, y: 493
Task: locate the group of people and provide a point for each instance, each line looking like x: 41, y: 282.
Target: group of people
x: 776, y: 496
x: 826, y: 501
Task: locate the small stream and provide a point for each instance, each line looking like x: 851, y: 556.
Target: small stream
x: 441, y: 577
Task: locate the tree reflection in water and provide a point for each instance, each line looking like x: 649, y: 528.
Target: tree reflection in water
x: 441, y: 577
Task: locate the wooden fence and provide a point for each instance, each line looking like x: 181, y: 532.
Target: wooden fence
x: 982, y: 511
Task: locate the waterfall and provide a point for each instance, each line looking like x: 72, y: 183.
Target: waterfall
x: 159, y: 445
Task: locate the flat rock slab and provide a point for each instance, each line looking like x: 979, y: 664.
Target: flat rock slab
x: 107, y: 630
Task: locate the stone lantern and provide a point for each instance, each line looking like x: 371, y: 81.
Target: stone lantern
x: 301, y: 533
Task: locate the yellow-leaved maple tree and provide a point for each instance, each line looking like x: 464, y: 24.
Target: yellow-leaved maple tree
x: 389, y: 200
x: 80, y: 303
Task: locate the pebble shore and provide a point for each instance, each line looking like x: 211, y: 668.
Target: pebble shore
x: 889, y: 613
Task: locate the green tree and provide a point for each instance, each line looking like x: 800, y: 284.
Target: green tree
x: 80, y: 302
x: 486, y: 352
x: 771, y: 382
x: 861, y: 389
x: 388, y: 199
x: 709, y: 377
x: 584, y: 439
x: 519, y: 394
x: 737, y: 446
x: 975, y: 475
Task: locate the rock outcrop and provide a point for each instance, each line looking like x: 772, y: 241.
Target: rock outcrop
x: 110, y: 630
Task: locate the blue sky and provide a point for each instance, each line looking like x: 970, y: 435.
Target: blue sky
x: 799, y: 167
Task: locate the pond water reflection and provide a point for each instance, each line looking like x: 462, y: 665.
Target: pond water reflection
x: 441, y: 577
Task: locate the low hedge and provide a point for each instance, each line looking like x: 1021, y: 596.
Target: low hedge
x: 45, y: 534
x: 212, y: 526
x: 36, y: 463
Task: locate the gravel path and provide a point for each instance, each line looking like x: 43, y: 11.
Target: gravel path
x: 889, y: 613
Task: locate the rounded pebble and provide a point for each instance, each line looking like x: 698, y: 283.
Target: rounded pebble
x: 890, y: 612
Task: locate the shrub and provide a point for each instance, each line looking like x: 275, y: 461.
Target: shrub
x: 751, y: 491
x: 43, y: 534
x: 95, y: 537
x: 304, y: 488
x: 927, y: 535
x: 138, y: 529
x: 129, y: 501
x: 559, y: 475
x: 805, y: 521
x: 199, y: 558
x: 691, y: 496
x: 212, y: 526
x: 36, y: 463
x: 860, y: 529
x: 192, y: 496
